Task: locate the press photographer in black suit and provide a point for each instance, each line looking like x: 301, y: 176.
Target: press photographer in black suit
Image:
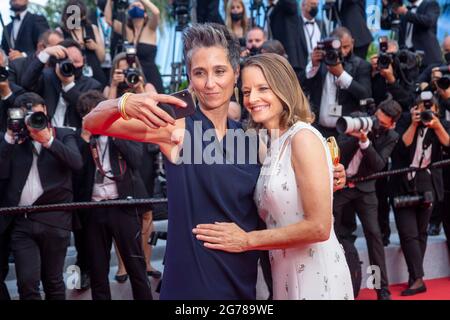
x: 120, y: 159
x: 336, y: 90
x: 421, y: 143
x: 363, y: 154
x: 418, y: 27
x: 38, y: 166
x: 60, y: 86
x: 24, y: 30
x: 18, y: 67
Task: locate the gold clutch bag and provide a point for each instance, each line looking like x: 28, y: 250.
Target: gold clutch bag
x: 334, y: 150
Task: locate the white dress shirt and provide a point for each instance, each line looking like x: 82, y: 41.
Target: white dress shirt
x: 32, y: 189
x: 354, y: 164
x: 108, y: 189
x: 410, y: 26
x: 329, y: 94
x: 418, y: 154
x: 312, y: 34
x: 16, y: 27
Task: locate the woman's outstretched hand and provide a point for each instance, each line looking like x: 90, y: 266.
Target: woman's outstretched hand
x: 144, y: 107
x: 222, y: 236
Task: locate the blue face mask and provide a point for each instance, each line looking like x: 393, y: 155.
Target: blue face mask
x: 136, y: 13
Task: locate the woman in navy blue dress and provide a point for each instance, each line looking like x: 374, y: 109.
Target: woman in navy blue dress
x: 199, y: 191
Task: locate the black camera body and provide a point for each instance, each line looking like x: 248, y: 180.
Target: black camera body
x: 385, y: 59
x: 132, y: 76
x: 4, y: 74
x: 19, y: 119
x: 253, y: 51
x: 130, y: 52
x: 427, y: 115
x: 181, y: 13
x: 121, y: 4
x: 368, y: 106
x: 424, y: 200
x: 332, y: 48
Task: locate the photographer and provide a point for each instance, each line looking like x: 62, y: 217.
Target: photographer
x: 115, y: 176
x: 62, y: 83
x: 126, y: 77
x: 421, y: 144
x: 140, y: 32
x: 8, y: 91
x: 418, y: 26
x: 389, y: 76
x: 88, y: 37
x: 336, y: 80
x: 39, y: 160
x: 254, y: 40
x: 364, y: 153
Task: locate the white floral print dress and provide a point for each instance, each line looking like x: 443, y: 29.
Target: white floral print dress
x: 314, y: 271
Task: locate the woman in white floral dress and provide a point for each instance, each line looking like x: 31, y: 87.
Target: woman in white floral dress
x: 293, y: 194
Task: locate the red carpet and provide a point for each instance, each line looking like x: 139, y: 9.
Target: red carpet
x: 437, y: 289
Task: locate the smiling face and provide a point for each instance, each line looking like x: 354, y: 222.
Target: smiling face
x: 212, y: 77
x: 259, y: 99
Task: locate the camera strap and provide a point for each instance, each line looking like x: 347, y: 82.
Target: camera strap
x: 93, y: 145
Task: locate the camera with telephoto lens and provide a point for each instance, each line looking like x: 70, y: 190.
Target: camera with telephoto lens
x: 424, y: 200
x: 4, y: 74
x: 355, y: 124
x: 332, y: 48
x: 20, y: 118
x: 368, y: 106
x: 66, y: 67
x: 427, y: 114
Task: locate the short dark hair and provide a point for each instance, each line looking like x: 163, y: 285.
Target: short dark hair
x: 68, y: 43
x: 391, y: 108
x: 340, y: 32
x: 28, y: 97
x: 274, y: 46
x: 433, y: 101
x: 46, y: 35
x: 88, y: 100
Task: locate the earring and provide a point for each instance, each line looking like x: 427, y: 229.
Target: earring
x: 236, y: 93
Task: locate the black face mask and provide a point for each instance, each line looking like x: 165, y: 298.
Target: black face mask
x: 236, y: 16
x: 447, y: 57
x: 313, y: 11
x: 78, y: 72
x: 18, y: 8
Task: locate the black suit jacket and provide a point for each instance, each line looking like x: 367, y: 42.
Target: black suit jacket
x: 130, y: 185
x: 374, y: 159
x: 8, y: 103
x: 424, y: 32
x: 44, y: 81
x: 17, y: 69
x: 55, y: 166
x: 33, y: 25
x: 353, y: 16
x: 286, y: 23
x: 360, y: 87
x: 403, y: 157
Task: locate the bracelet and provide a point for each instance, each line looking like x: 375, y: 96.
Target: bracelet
x: 122, y: 106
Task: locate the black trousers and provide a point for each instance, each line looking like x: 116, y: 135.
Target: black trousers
x: 446, y: 217
x: 382, y: 186
x: 39, y: 253
x: 366, y: 206
x: 5, y: 249
x: 412, y: 224
x: 81, y: 241
x: 104, y: 225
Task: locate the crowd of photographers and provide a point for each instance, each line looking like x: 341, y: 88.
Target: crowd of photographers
x: 388, y: 111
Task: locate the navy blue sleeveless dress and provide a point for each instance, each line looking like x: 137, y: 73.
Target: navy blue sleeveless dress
x: 206, y: 193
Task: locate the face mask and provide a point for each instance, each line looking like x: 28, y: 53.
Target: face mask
x: 18, y: 8
x: 313, y: 11
x: 447, y: 57
x: 78, y: 72
x: 236, y: 16
x: 136, y: 13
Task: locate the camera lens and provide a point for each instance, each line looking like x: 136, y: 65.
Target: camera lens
x: 67, y: 68
x: 37, y: 120
x: 4, y: 74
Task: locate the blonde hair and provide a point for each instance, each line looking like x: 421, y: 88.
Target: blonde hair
x: 244, y: 21
x: 282, y: 80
